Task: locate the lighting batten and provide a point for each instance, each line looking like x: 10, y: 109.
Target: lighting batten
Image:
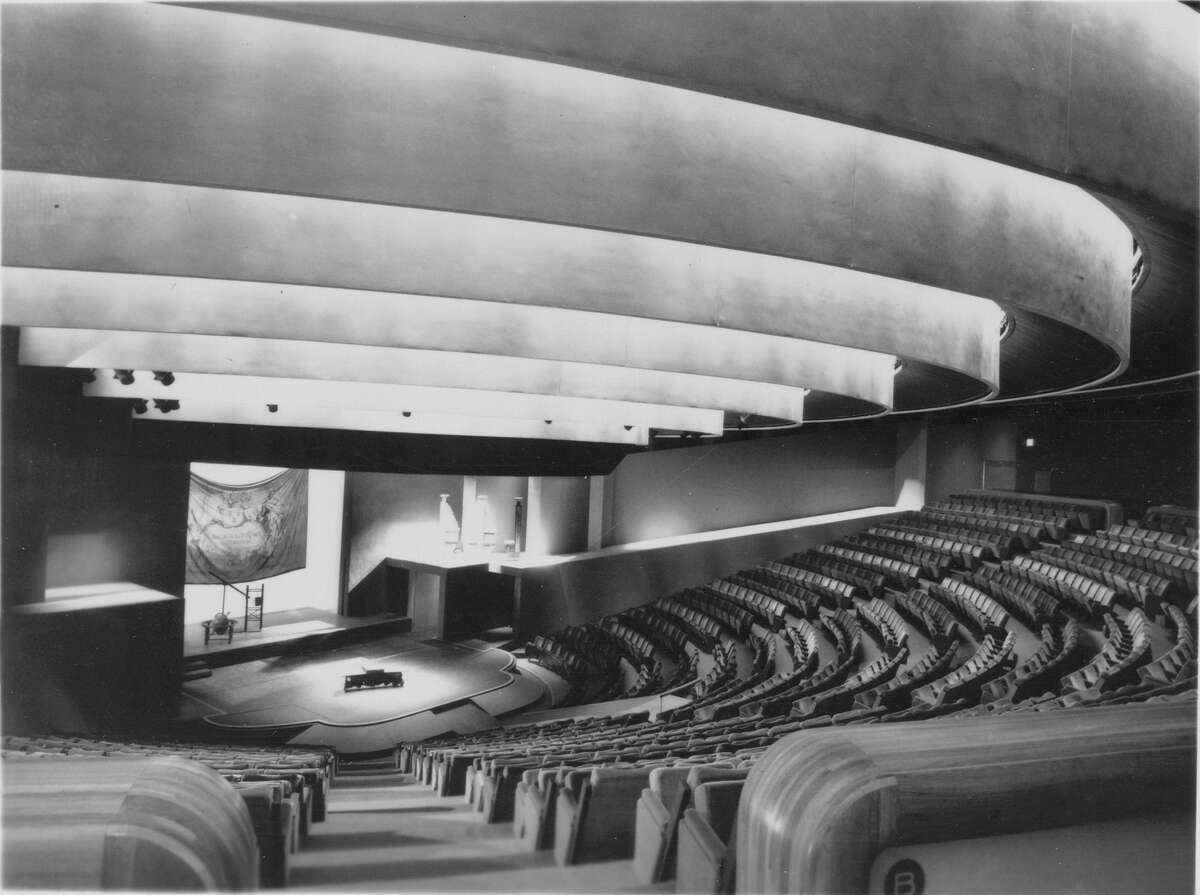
x: 207, y: 388
x: 310, y: 417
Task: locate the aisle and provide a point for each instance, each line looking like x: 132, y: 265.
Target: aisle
x: 384, y: 831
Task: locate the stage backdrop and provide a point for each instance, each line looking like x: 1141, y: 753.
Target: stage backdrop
x: 247, y: 532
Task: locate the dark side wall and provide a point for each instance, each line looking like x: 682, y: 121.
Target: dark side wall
x: 86, y: 501
x: 1139, y: 449
x: 814, y: 471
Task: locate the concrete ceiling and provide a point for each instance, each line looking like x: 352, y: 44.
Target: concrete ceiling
x: 792, y: 194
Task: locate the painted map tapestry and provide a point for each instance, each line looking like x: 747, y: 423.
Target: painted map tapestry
x: 240, y: 533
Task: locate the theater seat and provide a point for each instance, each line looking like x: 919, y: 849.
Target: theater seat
x: 704, y: 837
x: 594, y: 814
x: 655, y: 812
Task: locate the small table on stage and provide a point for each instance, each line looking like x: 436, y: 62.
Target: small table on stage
x: 208, y: 631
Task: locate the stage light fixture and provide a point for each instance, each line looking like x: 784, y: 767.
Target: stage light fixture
x: 165, y: 405
x: 272, y: 408
x: 125, y: 377
x: 406, y: 413
x: 166, y: 377
x: 139, y: 406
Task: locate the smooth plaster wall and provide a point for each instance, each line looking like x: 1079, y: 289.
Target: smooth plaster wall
x: 501, y: 491
x: 664, y: 493
x: 563, y: 514
x: 583, y: 589
x: 394, y: 515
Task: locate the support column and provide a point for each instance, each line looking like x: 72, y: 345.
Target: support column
x: 912, y: 457
x: 595, y: 524
x: 535, y: 534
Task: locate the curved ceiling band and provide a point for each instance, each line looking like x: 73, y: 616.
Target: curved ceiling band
x: 92, y: 300
x: 85, y: 348
x: 170, y: 230
x: 370, y: 118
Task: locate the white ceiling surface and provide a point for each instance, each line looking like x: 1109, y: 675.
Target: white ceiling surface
x: 476, y: 221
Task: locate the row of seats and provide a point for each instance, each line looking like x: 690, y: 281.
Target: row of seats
x: 284, y: 791
x: 1174, y: 520
x: 1134, y: 586
x: 1058, y: 517
x: 929, y: 563
x: 833, y: 590
x: 1126, y: 648
x: 992, y: 545
x: 1060, y: 649
x: 1131, y: 533
x: 979, y: 611
x: 1033, y: 605
x: 1096, y: 594
x: 1170, y: 563
x: 896, y: 572
x: 1030, y: 534
x: 961, y: 554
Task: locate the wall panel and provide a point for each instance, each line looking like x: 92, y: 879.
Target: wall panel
x: 667, y: 493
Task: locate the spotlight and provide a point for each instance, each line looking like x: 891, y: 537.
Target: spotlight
x: 166, y: 377
x: 88, y: 375
x: 165, y: 405
x: 547, y: 422
x: 272, y: 408
x: 125, y: 377
x: 629, y: 428
x: 406, y: 413
x: 139, y: 406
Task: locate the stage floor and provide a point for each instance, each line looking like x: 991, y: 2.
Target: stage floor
x: 446, y: 686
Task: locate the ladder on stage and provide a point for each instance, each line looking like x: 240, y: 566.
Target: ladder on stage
x: 254, y: 606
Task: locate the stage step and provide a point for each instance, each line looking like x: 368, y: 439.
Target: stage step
x: 196, y: 669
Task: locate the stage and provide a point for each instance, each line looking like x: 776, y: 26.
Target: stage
x: 284, y: 631
x: 299, y: 688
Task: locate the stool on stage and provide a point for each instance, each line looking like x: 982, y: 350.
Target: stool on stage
x: 219, y: 625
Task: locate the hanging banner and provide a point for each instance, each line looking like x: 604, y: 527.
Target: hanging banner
x: 240, y: 533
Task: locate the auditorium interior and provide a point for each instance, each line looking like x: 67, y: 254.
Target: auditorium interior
x: 600, y: 447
